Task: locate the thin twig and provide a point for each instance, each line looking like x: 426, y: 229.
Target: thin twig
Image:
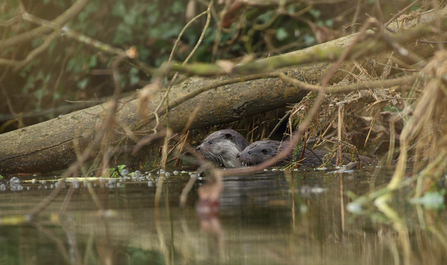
x: 400, y: 13
x: 205, y: 28
x: 278, y: 124
x: 183, y: 31
x: 70, y: 13
x: 75, y: 35
x: 32, y: 54
x: 349, y: 88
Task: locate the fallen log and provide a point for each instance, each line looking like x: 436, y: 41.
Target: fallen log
x: 51, y: 145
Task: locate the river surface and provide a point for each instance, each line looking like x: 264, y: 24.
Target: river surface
x: 270, y: 217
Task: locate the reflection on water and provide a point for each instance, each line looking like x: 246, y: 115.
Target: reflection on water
x: 260, y: 221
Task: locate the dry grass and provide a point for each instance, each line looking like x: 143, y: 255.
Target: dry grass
x: 357, y: 117
x: 427, y: 126
x: 419, y: 125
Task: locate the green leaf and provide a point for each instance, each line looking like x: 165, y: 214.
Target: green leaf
x: 119, y: 9
x: 83, y: 83
x: 315, y: 13
x: 40, y: 93
x: 236, y: 47
x: 170, y: 30
x: 154, y: 32
x: 266, y: 16
x: 56, y: 95
x: 153, y: 17
x: 415, y: 7
x: 52, y: 46
x: 281, y: 34
x: 133, y: 76
x: 161, y: 59
x: 74, y: 65
x: 143, y: 52
x: 177, y: 7
x: 123, y: 34
x: 130, y: 17
x: 29, y: 84
x: 390, y: 109
x: 309, y: 40
x: 91, y: 61
x: 291, y: 9
x: 36, y: 42
x: 91, y: 7
x: 113, y: 173
x: 122, y: 79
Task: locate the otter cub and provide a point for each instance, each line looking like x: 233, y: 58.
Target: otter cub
x: 222, y: 147
x: 261, y: 151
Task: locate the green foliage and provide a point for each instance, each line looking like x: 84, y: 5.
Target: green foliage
x: 52, y: 47
x: 36, y: 42
x: 74, y: 65
x: 415, y: 7
x: 64, y: 70
x: 390, y: 109
x: 315, y: 13
x: 281, y: 34
x: 133, y: 76
x: 113, y: 173
x: 89, y: 9
x: 67, y: 69
x: 82, y: 83
x: 150, y: 26
x: 309, y: 40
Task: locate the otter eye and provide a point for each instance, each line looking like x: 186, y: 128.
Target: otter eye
x: 249, y: 152
x: 210, y: 142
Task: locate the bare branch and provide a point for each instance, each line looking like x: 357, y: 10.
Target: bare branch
x: 69, y: 14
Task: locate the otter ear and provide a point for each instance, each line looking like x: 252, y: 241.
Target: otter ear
x: 264, y: 151
x: 228, y: 136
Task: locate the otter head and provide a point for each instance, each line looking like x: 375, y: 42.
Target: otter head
x: 260, y: 151
x: 220, y: 148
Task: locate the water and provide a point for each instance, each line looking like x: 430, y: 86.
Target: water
x: 260, y: 221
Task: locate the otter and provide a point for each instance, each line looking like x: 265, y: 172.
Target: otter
x: 261, y: 151
x: 222, y: 147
